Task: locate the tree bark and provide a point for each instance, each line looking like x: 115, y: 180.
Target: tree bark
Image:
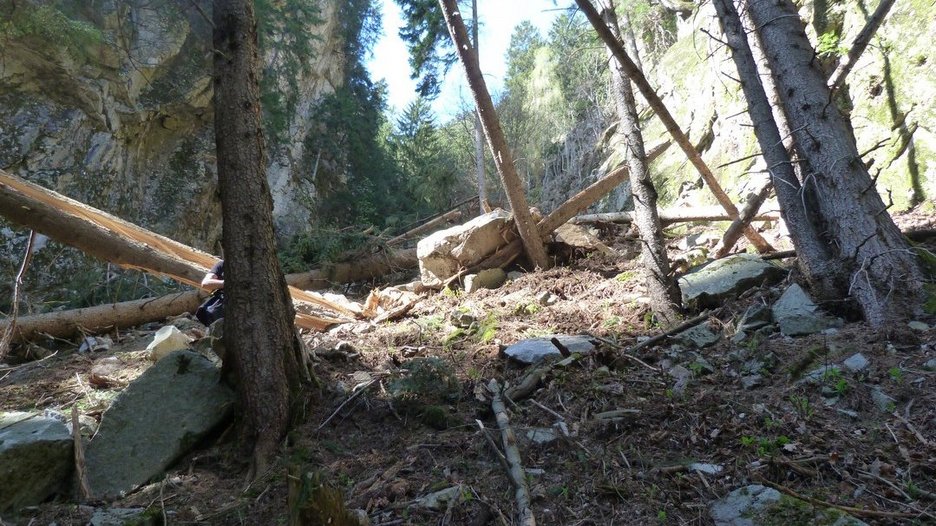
x: 883, y: 274
x: 861, y: 42
x: 815, y: 262
x: 669, y: 216
x: 259, y: 315
x: 664, y: 294
x: 503, y: 159
x: 98, y: 233
x: 479, y: 132
x: 637, y: 77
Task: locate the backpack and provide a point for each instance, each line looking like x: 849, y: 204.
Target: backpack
x: 212, y: 309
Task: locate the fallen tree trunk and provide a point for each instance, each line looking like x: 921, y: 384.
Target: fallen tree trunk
x: 425, y: 227
x: 103, y: 318
x: 98, y: 233
x: 110, y: 238
x: 671, y: 216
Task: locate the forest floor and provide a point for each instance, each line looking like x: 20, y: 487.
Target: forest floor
x: 664, y: 459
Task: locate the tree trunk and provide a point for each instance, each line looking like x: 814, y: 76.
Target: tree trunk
x: 814, y: 260
x: 861, y: 42
x: 259, y: 315
x: 663, y: 291
x: 884, y: 276
x: 669, y: 216
x: 104, y: 318
x: 637, y: 77
x: 479, y: 132
x: 503, y: 159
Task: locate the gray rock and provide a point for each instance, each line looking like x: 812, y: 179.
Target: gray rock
x: 742, y: 503
x: 442, y: 254
x: 818, y: 375
x: 848, y: 412
x: 537, y: 349
x: 755, y: 317
x: 546, y: 298
x: 542, y: 436
x: 708, y: 469
x: 930, y: 365
x: 440, y: 500
x: 752, y: 381
x: 882, y: 400
x: 115, y: 516
x: 797, y: 315
x: 856, y: 363
x: 918, y: 326
x: 489, y: 278
x: 726, y: 278
x: 757, y: 505
x: 699, y: 336
x: 35, y: 459
x: 154, y: 421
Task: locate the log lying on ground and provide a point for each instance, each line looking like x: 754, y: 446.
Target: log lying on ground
x: 671, y: 216
x: 451, y: 215
x: 103, y: 318
x: 512, y: 454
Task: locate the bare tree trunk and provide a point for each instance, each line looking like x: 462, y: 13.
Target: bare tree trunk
x: 259, y: 329
x: 637, y: 77
x: 847, y: 62
x: 479, y: 132
x: 814, y: 261
x: 884, y: 275
x: 663, y: 291
x: 532, y: 241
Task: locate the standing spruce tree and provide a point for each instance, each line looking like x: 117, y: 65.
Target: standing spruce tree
x: 262, y: 346
x: 873, y: 259
x: 664, y: 293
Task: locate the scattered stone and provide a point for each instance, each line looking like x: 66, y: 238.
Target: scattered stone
x: 751, y: 381
x: 757, y: 505
x: 167, y: 340
x: 542, y: 436
x: 682, y: 376
x: 755, y: 317
x: 35, y: 459
x: 700, y: 336
x: 463, y: 320
x: 440, y: 500
x: 797, y: 315
x: 537, y: 349
x: 848, y: 412
x: 489, y: 278
x: 707, y: 469
x: 95, y: 344
x: 154, y: 421
x: 116, y: 516
x: 514, y: 275
x: 930, y: 365
x: 882, y: 401
x: 546, y: 299
x: 856, y: 363
x: 577, y: 236
x: 918, y: 326
x: 710, y: 285
x: 86, y: 424
x: 444, y: 253
x: 818, y: 375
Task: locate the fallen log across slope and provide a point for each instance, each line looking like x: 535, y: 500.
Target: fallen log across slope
x: 670, y: 216
x: 112, y: 239
x: 104, y: 318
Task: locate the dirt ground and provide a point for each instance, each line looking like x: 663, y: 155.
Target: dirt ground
x: 385, y: 450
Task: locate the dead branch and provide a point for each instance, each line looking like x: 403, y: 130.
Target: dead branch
x: 670, y: 216
x: 847, y: 62
x: 425, y: 227
x: 83, y: 487
x: 17, y: 290
x: 512, y: 454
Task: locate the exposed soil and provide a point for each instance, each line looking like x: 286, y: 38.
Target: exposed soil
x: 384, y: 453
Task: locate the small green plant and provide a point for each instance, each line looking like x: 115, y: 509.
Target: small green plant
x: 830, y: 45
x: 487, y: 328
x: 627, y: 275
x: 611, y: 322
x: 528, y: 308
x: 747, y: 441
x: 661, y: 516
x: 896, y: 374
x: 801, y: 406
x: 696, y: 368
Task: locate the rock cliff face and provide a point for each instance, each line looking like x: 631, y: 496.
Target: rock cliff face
x: 110, y: 102
x: 892, y: 90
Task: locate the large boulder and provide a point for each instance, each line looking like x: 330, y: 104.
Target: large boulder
x: 35, y: 459
x: 156, y: 420
x: 797, y: 315
x: 723, y: 279
x: 446, y: 252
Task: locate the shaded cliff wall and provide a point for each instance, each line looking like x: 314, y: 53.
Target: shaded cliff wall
x: 110, y: 102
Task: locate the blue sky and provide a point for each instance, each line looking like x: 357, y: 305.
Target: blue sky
x: 498, y: 18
